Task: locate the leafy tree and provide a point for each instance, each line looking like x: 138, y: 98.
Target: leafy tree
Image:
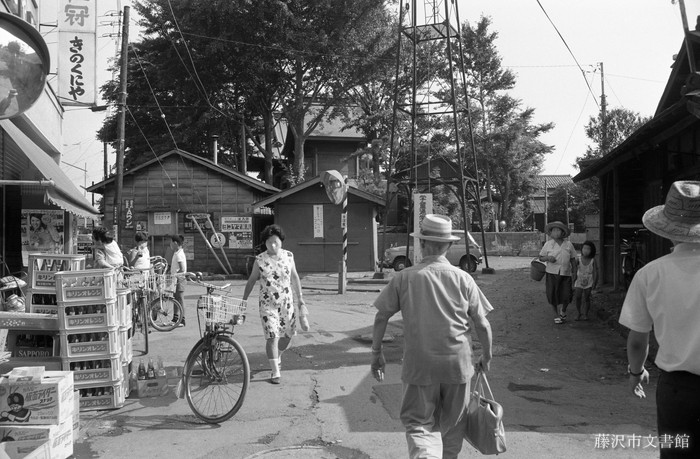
x: 509, y: 152
x: 244, y: 62
x: 620, y: 123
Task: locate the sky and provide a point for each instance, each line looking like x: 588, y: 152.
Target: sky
x: 634, y: 39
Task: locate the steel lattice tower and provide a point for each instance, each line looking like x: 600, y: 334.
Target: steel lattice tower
x: 425, y: 26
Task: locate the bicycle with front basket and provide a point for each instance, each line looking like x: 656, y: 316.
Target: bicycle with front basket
x: 216, y: 373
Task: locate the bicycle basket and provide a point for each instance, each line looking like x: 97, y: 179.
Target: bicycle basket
x: 136, y: 279
x: 163, y: 282
x: 223, y: 309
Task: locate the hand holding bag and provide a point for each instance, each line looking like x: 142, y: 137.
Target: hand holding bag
x: 484, y: 426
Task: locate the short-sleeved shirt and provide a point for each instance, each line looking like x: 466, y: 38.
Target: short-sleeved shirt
x: 563, y: 252
x: 110, y: 254
x: 435, y: 300
x: 144, y: 261
x: 665, y: 295
x: 178, y: 257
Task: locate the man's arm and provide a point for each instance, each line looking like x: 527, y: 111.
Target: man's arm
x: 482, y: 327
x: 381, y: 320
x: 637, y: 351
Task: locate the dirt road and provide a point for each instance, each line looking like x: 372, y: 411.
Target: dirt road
x: 563, y: 387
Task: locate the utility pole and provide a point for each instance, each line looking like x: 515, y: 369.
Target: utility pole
x: 603, y: 112
x: 121, y: 126
x: 106, y: 170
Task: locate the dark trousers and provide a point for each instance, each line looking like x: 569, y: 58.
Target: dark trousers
x: 678, y: 414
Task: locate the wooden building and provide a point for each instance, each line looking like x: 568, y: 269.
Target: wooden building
x: 161, y: 195
x: 331, y: 146
x: 637, y: 174
x: 313, y: 227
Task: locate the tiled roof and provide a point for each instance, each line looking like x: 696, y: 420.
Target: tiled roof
x: 553, y: 181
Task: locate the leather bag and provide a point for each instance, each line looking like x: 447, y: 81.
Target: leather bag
x: 484, y: 426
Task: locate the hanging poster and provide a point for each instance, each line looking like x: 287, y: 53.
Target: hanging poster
x: 42, y: 231
x: 188, y: 247
x: 240, y: 231
x: 129, y: 207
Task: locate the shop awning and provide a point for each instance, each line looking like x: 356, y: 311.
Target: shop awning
x: 64, y: 194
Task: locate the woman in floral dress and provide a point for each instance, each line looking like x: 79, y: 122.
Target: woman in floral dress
x: 278, y: 277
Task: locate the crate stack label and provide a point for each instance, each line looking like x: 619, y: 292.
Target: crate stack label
x: 42, y: 279
x: 124, y: 308
x: 89, y: 322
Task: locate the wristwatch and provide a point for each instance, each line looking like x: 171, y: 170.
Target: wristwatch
x: 629, y: 370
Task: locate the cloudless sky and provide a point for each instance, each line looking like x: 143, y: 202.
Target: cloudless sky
x: 634, y: 39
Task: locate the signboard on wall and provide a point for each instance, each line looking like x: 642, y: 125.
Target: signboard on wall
x: 188, y: 247
x: 129, y: 208
x: 77, y: 52
x: 84, y: 244
x: 239, y: 231
x: 318, y: 221
x: 162, y: 223
x: 42, y: 231
x: 201, y: 221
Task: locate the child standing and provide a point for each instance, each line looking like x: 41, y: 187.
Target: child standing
x: 586, y: 279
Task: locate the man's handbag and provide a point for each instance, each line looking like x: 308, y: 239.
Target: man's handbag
x: 484, y: 427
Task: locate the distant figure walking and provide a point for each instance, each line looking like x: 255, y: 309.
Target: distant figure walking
x: 664, y: 296
x: 586, y: 280
x: 560, y: 256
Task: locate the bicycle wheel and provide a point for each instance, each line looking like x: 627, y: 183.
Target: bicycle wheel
x: 162, y: 310
x: 216, y: 378
x: 140, y: 325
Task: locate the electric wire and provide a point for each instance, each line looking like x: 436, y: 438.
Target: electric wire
x: 570, y: 52
x: 575, y: 126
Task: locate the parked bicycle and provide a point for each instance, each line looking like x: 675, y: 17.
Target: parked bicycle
x: 216, y: 373
x: 632, y: 251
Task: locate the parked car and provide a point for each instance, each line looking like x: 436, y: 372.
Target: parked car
x: 395, y: 257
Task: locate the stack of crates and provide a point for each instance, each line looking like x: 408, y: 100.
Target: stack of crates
x: 124, y: 308
x: 89, y: 322
x: 42, y: 270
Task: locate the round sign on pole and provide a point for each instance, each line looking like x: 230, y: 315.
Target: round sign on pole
x: 218, y: 240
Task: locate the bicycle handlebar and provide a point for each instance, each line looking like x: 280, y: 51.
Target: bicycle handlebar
x: 196, y: 277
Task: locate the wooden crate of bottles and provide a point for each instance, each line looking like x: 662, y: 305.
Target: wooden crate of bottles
x: 42, y: 301
x: 33, y: 343
x: 88, y: 314
x: 101, y: 396
x: 93, y: 371
x: 90, y: 343
x: 44, y: 266
x: 92, y: 284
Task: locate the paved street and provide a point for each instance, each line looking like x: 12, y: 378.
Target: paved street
x: 562, y: 386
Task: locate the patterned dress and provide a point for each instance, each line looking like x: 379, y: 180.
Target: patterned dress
x: 276, y: 306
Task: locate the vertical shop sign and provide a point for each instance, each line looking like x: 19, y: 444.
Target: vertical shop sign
x: 129, y: 207
x: 318, y: 221
x: 77, y: 52
x: 42, y: 231
x: 240, y: 231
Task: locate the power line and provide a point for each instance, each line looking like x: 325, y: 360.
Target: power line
x: 570, y: 52
x: 561, y: 157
